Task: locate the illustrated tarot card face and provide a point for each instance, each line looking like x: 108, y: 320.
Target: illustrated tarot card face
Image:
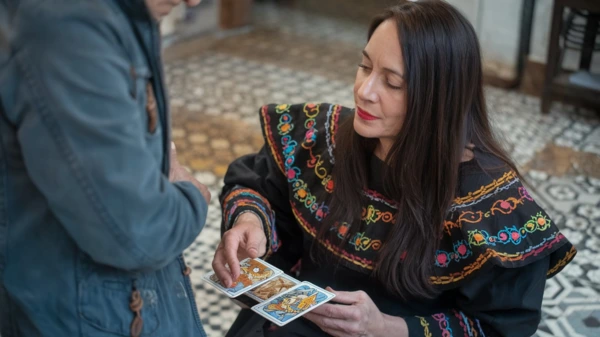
x: 254, y: 272
x: 294, y: 303
x: 272, y: 288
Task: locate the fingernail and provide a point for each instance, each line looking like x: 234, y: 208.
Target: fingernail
x: 172, y: 146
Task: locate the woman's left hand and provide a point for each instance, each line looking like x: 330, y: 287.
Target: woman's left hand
x: 356, y: 316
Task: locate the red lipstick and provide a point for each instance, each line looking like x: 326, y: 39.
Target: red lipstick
x: 365, y: 115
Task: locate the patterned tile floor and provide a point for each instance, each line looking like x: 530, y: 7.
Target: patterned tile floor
x: 216, y: 94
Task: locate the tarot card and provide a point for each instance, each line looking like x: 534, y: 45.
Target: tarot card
x: 272, y: 288
x: 254, y: 272
x: 293, y: 303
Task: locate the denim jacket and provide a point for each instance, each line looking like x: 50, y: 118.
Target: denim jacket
x: 91, y: 229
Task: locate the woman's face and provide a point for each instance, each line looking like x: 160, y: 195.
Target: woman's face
x: 380, y: 89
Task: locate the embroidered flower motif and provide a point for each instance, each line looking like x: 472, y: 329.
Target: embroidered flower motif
x: 524, y: 193
x: 329, y: 185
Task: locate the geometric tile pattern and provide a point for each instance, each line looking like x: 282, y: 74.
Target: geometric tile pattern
x: 215, y: 96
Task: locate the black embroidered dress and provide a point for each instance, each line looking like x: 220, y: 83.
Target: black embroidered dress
x: 498, y: 246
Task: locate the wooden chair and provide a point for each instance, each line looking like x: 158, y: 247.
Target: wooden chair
x: 556, y: 84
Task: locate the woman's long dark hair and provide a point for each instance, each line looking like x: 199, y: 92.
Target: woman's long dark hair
x: 445, y: 111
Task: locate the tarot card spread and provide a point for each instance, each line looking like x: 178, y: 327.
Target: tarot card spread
x: 254, y: 272
x: 294, y: 303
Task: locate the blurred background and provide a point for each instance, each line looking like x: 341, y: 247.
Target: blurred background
x: 226, y: 58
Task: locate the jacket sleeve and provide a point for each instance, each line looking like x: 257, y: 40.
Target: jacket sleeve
x: 503, y: 302
x: 254, y: 183
x: 84, y: 143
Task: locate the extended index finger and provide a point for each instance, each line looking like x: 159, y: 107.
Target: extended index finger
x: 231, y: 244
x: 219, y: 266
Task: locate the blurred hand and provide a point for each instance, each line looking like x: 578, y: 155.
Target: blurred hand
x: 245, y: 239
x: 179, y: 173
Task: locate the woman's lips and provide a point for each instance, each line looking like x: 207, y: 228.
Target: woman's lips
x: 365, y: 115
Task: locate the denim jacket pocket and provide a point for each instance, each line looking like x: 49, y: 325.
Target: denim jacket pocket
x: 104, y: 300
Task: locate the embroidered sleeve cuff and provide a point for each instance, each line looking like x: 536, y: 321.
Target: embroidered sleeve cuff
x: 241, y: 200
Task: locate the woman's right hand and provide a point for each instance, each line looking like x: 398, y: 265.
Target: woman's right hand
x: 245, y: 239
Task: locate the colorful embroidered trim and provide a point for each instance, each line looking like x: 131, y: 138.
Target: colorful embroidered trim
x: 503, y: 206
x: 425, y: 325
x: 330, y: 129
x: 360, y: 241
x: 376, y: 196
x: 269, y: 135
x: 300, y: 188
x: 479, y: 327
x: 310, y: 140
x: 513, y: 235
x: 508, y: 179
x: 244, y: 198
x: 356, y: 260
x: 461, y: 252
x: 465, y: 323
x: 370, y: 215
x: 444, y: 324
x: 563, y: 262
x: 547, y: 243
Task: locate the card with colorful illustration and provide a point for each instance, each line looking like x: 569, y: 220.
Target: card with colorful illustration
x: 293, y: 303
x: 272, y: 288
x: 254, y: 272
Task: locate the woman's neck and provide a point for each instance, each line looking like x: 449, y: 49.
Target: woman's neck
x: 383, y: 148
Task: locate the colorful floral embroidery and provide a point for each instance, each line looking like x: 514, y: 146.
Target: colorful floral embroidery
x: 461, y: 251
x: 513, y: 235
x: 502, y: 206
x: 444, y: 324
x: 467, y: 216
x: 354, y: 259
x: 361, y: 242
x: 310, y: 139
x: 547, y: 243
x: 466, y: 249
x: 289, y: 147
x: 372, y: 215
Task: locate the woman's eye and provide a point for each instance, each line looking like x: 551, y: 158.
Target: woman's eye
x: 364, y: 67
x: 395, y: 87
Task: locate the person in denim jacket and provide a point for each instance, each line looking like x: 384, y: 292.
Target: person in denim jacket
x: 95, y: 210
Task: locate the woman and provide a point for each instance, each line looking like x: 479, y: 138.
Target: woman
x: 405, y: 206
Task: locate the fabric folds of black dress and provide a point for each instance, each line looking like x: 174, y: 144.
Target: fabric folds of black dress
x: 494, y: 229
